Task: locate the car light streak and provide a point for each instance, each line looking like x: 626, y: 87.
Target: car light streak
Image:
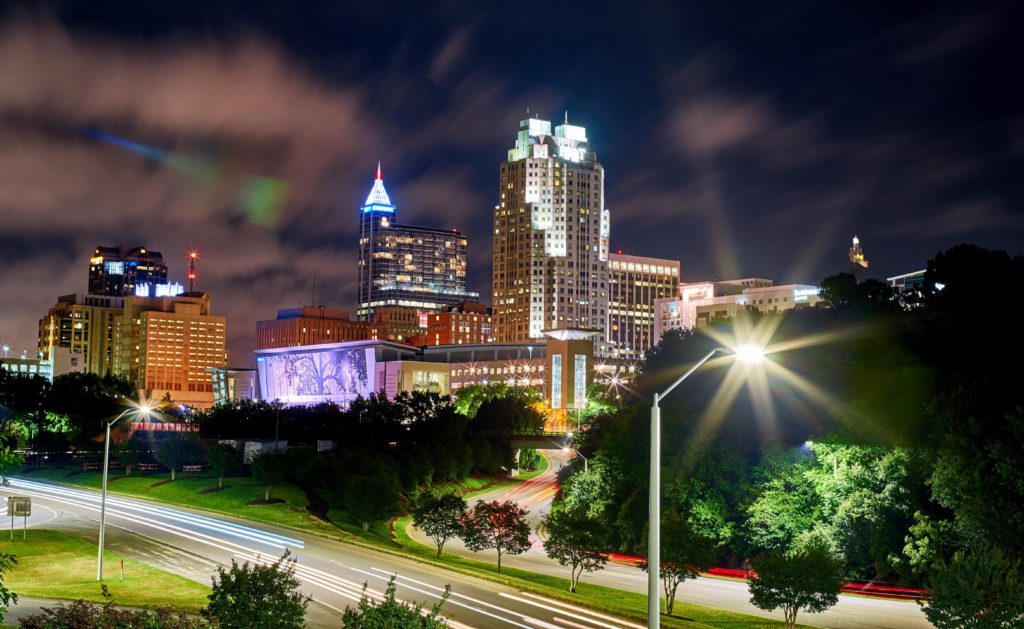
x: 236, y: 530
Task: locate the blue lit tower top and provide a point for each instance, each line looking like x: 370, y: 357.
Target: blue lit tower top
x: 378, y: 200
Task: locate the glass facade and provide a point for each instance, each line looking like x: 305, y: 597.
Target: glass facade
x: 556, y: 381
x: 404, y: 265
x: 119, y: 271
x: 579, y: 381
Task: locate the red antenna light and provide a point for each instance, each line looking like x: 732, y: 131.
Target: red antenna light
x: 193, y: 257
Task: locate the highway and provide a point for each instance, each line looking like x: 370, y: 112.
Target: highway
x: 852, y: 612
x: 193, y: 544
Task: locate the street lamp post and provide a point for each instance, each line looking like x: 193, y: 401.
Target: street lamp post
x: 831, y: 453
x: 743, y: 353
x: 144, y: 410
x: 579, y: 454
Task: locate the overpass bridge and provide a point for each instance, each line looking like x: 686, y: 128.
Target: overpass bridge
x: 536, y: 440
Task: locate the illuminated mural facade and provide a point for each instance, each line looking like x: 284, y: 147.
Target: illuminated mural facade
x: 337, y: 375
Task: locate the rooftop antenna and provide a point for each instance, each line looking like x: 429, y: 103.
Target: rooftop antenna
x: 566, y: 116
x: 313, y: 303
x: 378, y: 169
x: 193, y: 257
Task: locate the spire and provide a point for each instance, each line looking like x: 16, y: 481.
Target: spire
x: 378, y: 198
x: 566, y: 116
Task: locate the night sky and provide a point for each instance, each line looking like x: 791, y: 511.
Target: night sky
x: 742, y: 138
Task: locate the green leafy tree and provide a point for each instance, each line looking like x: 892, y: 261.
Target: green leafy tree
x: 576, y: 541
x: 260, y: 596
x: 7, y: 597
x: 130, y: 453
x: 498, y: 525
x: 176, y: 451
x: 371, y: 497
x: 390, y: 612
x: 440, y: 518
x: 684, y: 555
x: 269, y: 469
x: 977, y: 589
x: 224, y: 459
x: 807, y: 579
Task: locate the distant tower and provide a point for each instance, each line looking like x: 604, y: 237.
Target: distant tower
x: 857, y: 259
x: 193, y: 257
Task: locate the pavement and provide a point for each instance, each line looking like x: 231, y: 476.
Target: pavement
x: 193, y: 543
x: 852, y: 612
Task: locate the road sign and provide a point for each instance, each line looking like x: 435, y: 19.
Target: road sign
x: 19, y: 505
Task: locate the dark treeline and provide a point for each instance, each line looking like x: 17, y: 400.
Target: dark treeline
x: 913, y: 403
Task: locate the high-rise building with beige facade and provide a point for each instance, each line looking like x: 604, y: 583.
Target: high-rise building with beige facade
x: 86, y: 325
x: 634, y: 283
x: 169, y: 345
x: 551, y: 229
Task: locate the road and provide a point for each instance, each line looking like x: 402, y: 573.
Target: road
x: 852, y: 612
x: 193, y: 544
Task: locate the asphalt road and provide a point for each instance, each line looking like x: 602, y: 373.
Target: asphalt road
x: 852, y: 612
x: 193, y: 544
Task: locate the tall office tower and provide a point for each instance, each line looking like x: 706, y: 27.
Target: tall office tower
x: 402, y: 265
x: 551, y: 231
x: 87, y: 326
x: 634, y: 283
x: 120, y: 271
x: 169, y: 345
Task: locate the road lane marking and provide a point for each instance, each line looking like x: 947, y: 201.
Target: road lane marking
x: 579, y: 610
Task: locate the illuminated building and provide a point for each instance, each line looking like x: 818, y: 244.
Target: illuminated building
x: 396, y: 323
x: 402, y: 265
x: 169, y: 345
x: 309, y: 326
x: 86, y: 326
x: 341, y: 372
x: 635, y: 283
x: 908, y: 282
x: 468, y: 324
x: 702, y: 302
x: 232, y: 384
x: 550, y: 249
x: 121, y: 271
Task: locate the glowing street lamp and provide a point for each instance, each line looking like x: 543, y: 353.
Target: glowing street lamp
x: 143, y: 411
x: 6, y: 348
x: 747, y: 354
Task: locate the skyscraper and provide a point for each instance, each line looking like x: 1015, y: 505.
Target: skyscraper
x: 551, y: 231
x: 119, y: 271
x: 403, y: 265
x: 635, y: 282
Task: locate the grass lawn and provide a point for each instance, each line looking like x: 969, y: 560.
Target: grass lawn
x: 52, y: 564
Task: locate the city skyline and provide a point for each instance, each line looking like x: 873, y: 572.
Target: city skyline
x: 736, y: 167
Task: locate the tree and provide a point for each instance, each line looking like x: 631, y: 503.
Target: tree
x: 440, y: 518
x: 977, y: 589
x: 7, y: 563
x: 576, y: 541
x: 684, y: 555
x: 261, y: 596
x: 130, y: 453
x: 223, y: 459
x: 390, y: 612
x: 805, y: 579
x: 371, y: 497
x: 498, y: 525
x: 174, y: 452
x: 269, y: 469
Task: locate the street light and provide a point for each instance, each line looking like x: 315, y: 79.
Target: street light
x: 144, y: 411
x: 6, y: 348
x: 565, y: 450
x: 749, y: 354
x: 830, y: 452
